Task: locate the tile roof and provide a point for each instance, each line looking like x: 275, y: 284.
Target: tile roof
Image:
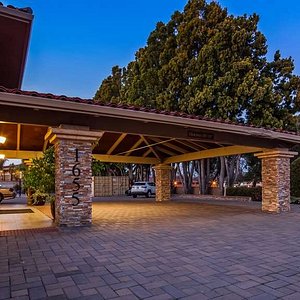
x: 132, y: 107
x: 27, y: 10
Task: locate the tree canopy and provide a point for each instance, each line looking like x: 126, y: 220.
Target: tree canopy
x: 207, y: 62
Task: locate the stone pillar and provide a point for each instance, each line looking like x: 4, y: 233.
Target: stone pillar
x: 276, y: 180
x: 73, y: 175
x: 163, y: 182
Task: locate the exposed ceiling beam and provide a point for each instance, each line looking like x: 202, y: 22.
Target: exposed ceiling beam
x: 170, y: 145
x: 134, y: 146
x: 45, y: 145
x: 166, y: 151
x: 104, y: 158
x: 20, y: 154
x: 116, y: 143
x: 150, y: 147
x: 18, y: 136
x: 127, y: 159
x: 192, y: 145
x: 223, y: 151
x: 147, y: 152
x: 46, y: 140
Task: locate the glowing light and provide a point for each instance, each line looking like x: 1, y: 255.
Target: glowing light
x: 2, y: 156
x: 2, y: 139
x: 214, y: 184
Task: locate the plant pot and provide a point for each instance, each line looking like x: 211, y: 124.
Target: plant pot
x: 30, y: 200
x: 39, y: 201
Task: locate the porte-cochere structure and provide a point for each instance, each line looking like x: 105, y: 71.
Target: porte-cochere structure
x: 80, y: 129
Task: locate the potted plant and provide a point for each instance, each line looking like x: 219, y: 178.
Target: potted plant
x: 39, y: 198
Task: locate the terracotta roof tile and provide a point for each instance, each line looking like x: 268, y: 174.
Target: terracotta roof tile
x: 27, y: 10
x: 130, y: 107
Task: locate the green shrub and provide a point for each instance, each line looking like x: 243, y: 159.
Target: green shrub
x: 41, y: 175
x: 295, y: 200
x: 254, y: 192
x: 295, y: 178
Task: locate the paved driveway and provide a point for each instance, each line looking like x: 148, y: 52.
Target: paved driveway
x: 146, y: 250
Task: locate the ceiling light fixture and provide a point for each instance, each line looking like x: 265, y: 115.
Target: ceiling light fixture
x: 2, y: 156
x: 2, y: 139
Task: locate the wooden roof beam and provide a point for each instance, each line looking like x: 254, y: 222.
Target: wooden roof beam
x: 150, y: 147
x: 191, y: 144
x: 170, y: 145
x: 166, y: 151
x: 116, y: 143
x: 223, y: 151
x: 147, y: 152
x: 18, y: 136
x: 134, y: 146
x: 20, y: 154
x: 126, y: 159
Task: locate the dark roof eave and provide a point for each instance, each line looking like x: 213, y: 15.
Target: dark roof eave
x: 21, y: 13
x: 84, y: 106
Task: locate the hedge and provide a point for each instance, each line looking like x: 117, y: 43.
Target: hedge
x: 254, y: 192
x: 295, y: 178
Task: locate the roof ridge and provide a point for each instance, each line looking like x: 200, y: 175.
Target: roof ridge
x: 136, y: 108
x: 27, y: 10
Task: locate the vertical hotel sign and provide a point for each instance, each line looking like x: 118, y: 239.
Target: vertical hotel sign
x: 76, y: 171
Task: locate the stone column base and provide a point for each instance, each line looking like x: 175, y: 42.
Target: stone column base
x: 73, y: 175
x: 276, y: 180
x: 163, y: 182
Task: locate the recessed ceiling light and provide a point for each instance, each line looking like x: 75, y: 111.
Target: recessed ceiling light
x: 2, y: 139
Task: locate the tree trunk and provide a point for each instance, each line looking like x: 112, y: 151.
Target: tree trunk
x: 199, y: 175
x: 237, y: 168
x: 222, y: 173
x: 203, y: 177
x: 130, y: 174
x: 186, y: 176
x: 153, y: 174
x: 207, y: 175
x: 232, y: 169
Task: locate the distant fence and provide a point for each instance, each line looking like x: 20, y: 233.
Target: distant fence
x: 105, y: 186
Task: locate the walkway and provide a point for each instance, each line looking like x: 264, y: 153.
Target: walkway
x: 33, y: 218
x: 146, y: 250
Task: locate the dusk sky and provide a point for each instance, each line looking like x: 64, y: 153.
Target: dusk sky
x: 74, y: 44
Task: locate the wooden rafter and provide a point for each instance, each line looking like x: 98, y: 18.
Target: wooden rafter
x: 166, y: 151
x: 147, y: 152
x: 116, y: 143
x: 134, y: 146
x: 18, y: 136
x: 46, y: 140
x: 150, y: 147
x: 127, y: 159
x: 223, y: 151
x: 170, y: 145
x: 22, y: 154
x: 192, y: 145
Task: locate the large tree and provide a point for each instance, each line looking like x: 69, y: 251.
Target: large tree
x: 207, y: 62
